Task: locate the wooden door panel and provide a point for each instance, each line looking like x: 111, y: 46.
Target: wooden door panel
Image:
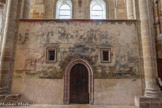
x: 79, y: 85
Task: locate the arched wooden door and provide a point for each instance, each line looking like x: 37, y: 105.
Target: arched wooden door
x: 79, y: 85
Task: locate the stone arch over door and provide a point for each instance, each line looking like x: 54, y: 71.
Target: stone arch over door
x: 67, y: 80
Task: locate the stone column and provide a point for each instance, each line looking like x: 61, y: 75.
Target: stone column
x: 130, y: 9
x: 26, y: 9
x: 160, y: 20
x: 7, y: 49
x: 149, y: 60
x: 160, y: 13
x: 156, y: 18
x: 151, y: 96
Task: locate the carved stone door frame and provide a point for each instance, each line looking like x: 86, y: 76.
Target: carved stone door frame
x: 67, y: 80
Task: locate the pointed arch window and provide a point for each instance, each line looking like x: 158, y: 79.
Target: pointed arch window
x: 98, y: 9
x: 64, y: 9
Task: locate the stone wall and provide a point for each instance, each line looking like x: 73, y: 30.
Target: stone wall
x: 81, y: 8
x: 37, y: 9
x: 77, y: 39
x: 36, y: 35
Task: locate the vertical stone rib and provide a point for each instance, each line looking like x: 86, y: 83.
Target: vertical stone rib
x: 147, y: 47
x: 115, y: 9
x: 130, y: 9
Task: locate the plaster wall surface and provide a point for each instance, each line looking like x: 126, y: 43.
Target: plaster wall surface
x: 77, y: 40
x: 42, y: 82
x: 50, y: 91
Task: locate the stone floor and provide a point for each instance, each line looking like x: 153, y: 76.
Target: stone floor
x: 70, y: 106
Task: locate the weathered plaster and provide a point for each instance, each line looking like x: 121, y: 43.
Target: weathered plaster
x: 50, y: 91
x: 73, y: 40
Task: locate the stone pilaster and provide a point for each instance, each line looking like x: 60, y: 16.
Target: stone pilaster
x: 130, y: 9
x: 151, y: 98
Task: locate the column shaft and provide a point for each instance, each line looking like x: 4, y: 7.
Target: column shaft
x: 148, y: 50
x: 26, y: 9
x: 130, y: 9
x: 7, y: 51
x: 160, y: 14
x: 156, y: 17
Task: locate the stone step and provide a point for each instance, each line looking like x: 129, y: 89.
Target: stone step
x: 71, y: 106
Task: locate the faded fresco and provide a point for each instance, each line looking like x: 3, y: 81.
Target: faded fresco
x: 77, y: 40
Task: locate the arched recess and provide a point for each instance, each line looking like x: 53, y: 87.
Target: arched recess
x: 67, y: 80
